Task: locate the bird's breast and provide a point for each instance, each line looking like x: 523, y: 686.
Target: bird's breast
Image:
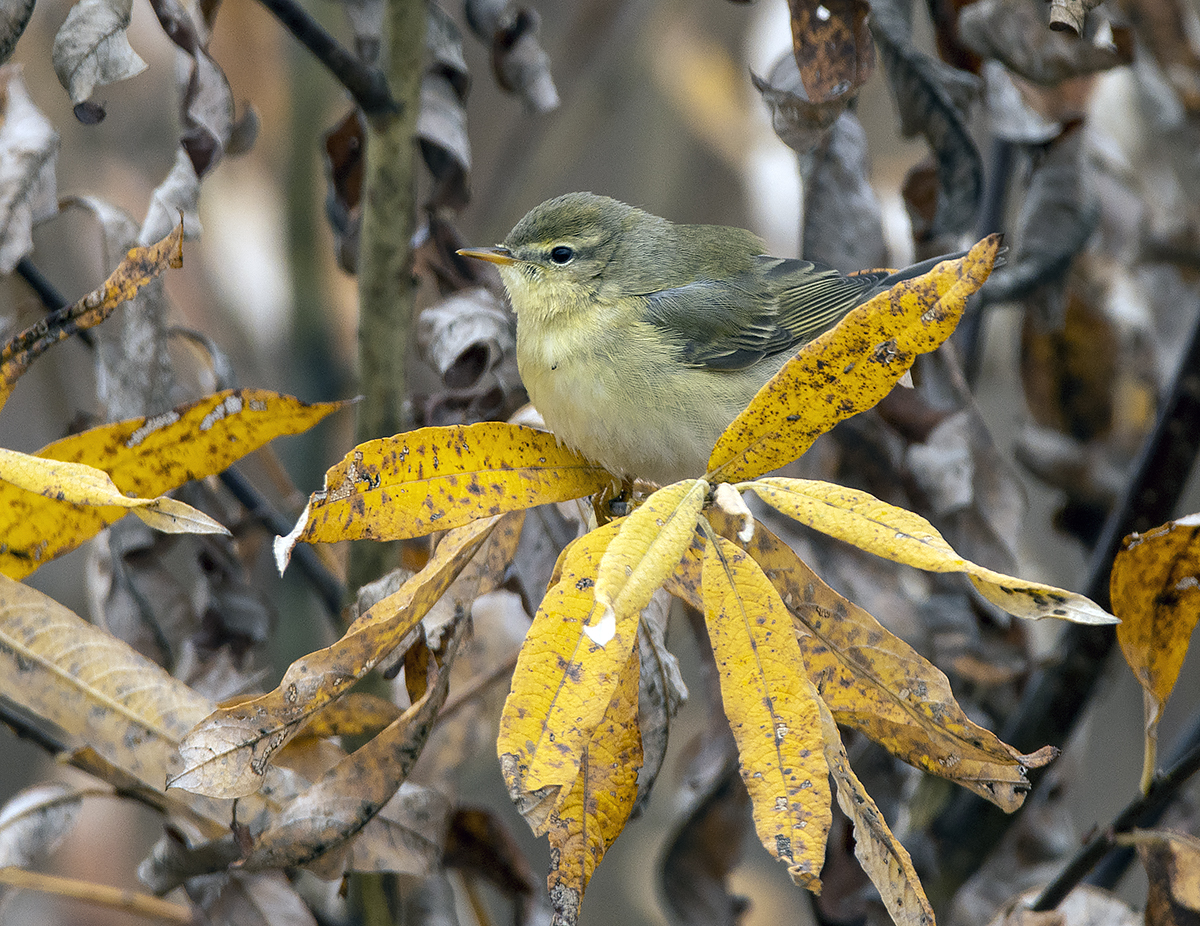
x: 612, y: 396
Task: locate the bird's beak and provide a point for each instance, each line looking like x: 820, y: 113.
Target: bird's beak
x: 492, y: 255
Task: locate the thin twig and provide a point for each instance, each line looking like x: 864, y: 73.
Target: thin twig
x: 100, y: 894
x: 366, y: 84
x: 1144, y: 810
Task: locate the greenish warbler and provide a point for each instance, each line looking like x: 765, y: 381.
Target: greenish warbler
x: 640, y: 340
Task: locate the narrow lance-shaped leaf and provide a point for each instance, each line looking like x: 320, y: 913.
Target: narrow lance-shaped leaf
x: 228, y: 754
x: 145, y: 457
x: 594, y: 812
x: 772, y: 710
x: 876, y: 683
x: 91, y: 48
x: 562, y: 684
x: 899, y: 535
x: 440, y: 478
x: 849, y: 368
x: 886, y: 862
x: 79, y: 484
x: 645, y: 552
x: 1155, y: 590
x: 99, y: 694
x: 27, y: 172
x: 138, y: 267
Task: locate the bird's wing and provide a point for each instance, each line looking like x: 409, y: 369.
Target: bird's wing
x: 779, y: 306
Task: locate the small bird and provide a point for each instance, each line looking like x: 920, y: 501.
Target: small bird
x: 640, y: 340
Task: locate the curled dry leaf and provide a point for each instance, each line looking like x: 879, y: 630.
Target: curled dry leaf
x: 833, y: 47
x: 849, y: 368
x: 1172, y: 861
x: 146, y: 457
x: 1014, y: 33
x: 843, y: 222
x: 178, y: 193
x: 229, y: 754
x: 931, y: 98
x: 799, y: 122
x: 14, y: 17
x: 140, y: 266
x: 1069, y: 15
x: 91, y: 48
x: 27, y: 170
x: 518, y: 61
x: 325, y: 817
x: 442, y: 120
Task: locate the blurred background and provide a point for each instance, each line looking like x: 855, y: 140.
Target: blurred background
x: 658, y: 108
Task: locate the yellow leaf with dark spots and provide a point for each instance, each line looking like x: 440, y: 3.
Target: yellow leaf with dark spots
x: 80, y: 484
x: 873, y: 681
x: 435, y: 479
x: 903, y: 537
x: 849, y: 368
x: 886, y: 862
x: 562, y: 684
x: 772, y: 708
x: 1155, y: 590
x: 140, y: 266
x: 145, y: 457
x: 595, y: 810
x: 645, y: 552
x: 230, y: 751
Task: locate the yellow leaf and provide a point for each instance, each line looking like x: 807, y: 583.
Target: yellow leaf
x: 595, y: 810
x: 1155, y: 590
x: 876, y: 683
x: 1172, y: 863
x: 772, y: 710
x: 98, y: 693
x: 438, y: 478
x: 886, y: 862
x: 849, y: 368
x: 144, y: 457
x: 645, y: 552
x: 325, y: 817
x: 80, y: 484
x: 229, y: 752
x: 562, y: 684
x: 899, y: 535
x: 139, y: 267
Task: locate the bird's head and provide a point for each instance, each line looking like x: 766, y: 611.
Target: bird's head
x: 560, y: 257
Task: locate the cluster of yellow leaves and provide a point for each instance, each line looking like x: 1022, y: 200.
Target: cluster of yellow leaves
x: 795, y: 658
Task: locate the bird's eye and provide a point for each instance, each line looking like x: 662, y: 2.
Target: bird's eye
x: 561, y: 254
